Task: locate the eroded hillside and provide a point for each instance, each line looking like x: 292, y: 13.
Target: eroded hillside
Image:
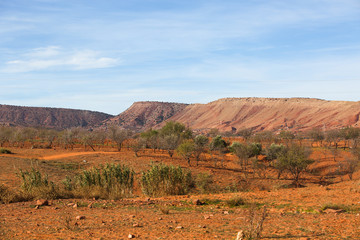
x: 270, y: 114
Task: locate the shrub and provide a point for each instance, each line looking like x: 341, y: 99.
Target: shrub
x: 295, y: 160
x: 163, y: 180
x: 235, y: 202
x: 255, y: 219
x: 274, y: 150
x: 35, y: 185
x: 112, y: 181
x: 204, y: 183
x: 5, y: 151
x: 186, y: 150
x: 7, y: 195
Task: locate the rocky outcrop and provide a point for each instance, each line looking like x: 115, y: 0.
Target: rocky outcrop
x: 144, y: 115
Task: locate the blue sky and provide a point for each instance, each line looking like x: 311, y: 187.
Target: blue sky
x: 104, y: 55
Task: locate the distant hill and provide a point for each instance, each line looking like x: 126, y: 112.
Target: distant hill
x: 57, y: 118
x: 294, y: 114
x: 144, y: 115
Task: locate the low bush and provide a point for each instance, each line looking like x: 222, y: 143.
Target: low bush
x: 5, y: 151
x: 7, y: 195
x: 163, y: 180
x: 204, y: 182
x: 35, y: 185
x: 112, y: 181
x: 235, y: 202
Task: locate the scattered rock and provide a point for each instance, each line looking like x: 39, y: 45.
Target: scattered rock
x: 131, y: 216
x: 329, y: 210
x: 226, y: 212
x: 80, y: 217
x: 136, y: 225
x: 179, y: 227
x: 160, y: 218
x: 131, y: 236
x: 75, y: 205
x: 42, y: 202
x: 90, y: 205
x: 207, y: 216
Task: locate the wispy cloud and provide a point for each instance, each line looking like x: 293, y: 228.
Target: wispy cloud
x: 53, y: 57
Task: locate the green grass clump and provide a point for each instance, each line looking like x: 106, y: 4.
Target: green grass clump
x: 162, y: 180
x: 235, y: 202
x: 5, y: 151
x: 112, y: 181
x: 35, y: 185
x: 345, y: 208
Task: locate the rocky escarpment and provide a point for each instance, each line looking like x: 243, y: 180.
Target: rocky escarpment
x: 57, y: 118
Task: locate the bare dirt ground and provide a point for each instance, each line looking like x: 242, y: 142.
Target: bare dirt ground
x: 293, y: 213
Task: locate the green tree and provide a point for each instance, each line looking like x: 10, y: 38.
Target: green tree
x: 220, y: 145
x: 255, y: 149
x: 186, y: 150
x: 295, y: 160
x: 274, y: 150
x: 151, y: 137
x: 169, y: 143
x: 201, y: 143
x: 242, y: 152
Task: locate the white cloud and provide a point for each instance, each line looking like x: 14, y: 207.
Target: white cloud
x: 53, y: 57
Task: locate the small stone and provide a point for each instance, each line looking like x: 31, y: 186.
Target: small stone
x: 80, y: 217
x: 90, y: 205
x: 207, y: 217
x: 226, y: 212
x: 42, y: 202
x: 131, y: 216
x: 37, y: 207
x: 131, y: 236
x: 136, y: 225
x: 179, y: 227
x: 336, y: 211
x: 160, y: 218
x: 75, y: 205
